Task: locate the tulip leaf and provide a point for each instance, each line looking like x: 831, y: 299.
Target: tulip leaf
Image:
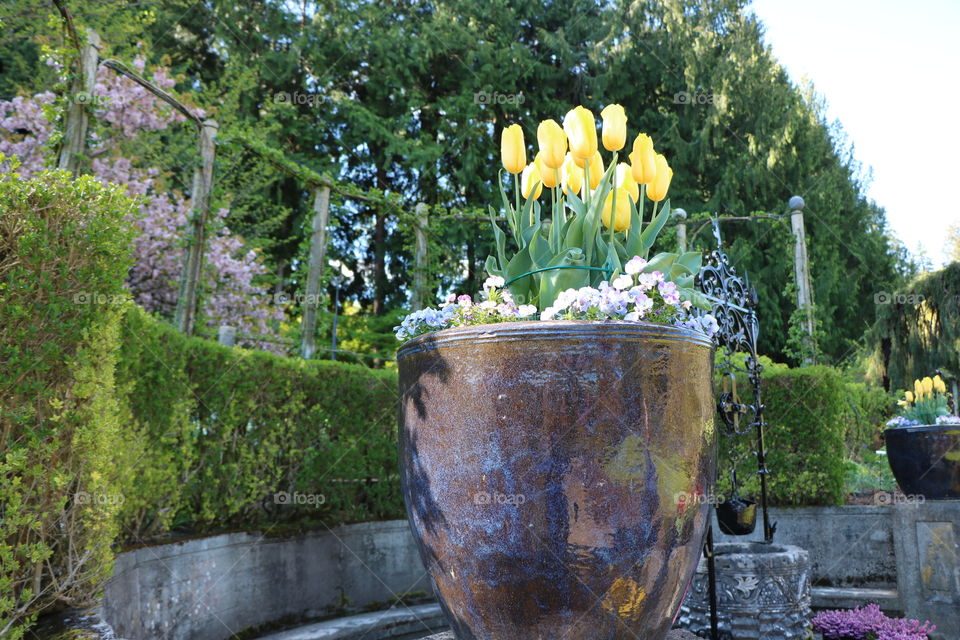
x: 649, y: 235
x: 661, y: 262
x: 500, y: 238
x: 556, y: 280
x: 691, y: 260
x: 492, y: 268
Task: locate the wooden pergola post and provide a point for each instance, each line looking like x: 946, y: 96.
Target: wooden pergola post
x: 801, y: 270
x: 81, y: 97
x: 318, y: 249
x: 421, y: 257
x: 681, y: 217
x: 200, y: 205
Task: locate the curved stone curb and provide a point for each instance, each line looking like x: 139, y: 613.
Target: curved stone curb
x: 378, y: 625
x: 676, y: 634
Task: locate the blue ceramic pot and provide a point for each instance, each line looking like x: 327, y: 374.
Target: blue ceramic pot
x: 926, y: 460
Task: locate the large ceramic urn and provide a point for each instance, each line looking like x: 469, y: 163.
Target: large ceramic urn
x: 551, y: 473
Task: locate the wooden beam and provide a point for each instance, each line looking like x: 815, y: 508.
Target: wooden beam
x: 200, y: 205
x: 81, y: 98
x: 318, y: 249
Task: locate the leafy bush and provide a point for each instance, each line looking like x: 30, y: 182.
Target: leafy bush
x: 224, y: 436
x: 814, y: 416
x: 64, y: 254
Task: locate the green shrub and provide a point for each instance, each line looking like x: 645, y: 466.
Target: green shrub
x: 64, y: 254
x: 814, y: 417
x: 220, y: 431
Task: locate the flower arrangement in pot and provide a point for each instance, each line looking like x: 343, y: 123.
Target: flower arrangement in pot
x: 549, y: 425
x: 923, y: 442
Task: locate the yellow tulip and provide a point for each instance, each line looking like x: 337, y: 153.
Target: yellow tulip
x: 918, y: 389
x: 927, y: 386
x: 657, y: 190
x: 643, y: 160
x: 909, y: 396
x: 621, y: 219
x: 581, y: 129
x: 571, y: 176
x: 529, y: 179
x: 512, y: 152
x: 624, y: 180
x: 939, y: 384
x: 596, y: 169
x: 903, y: 403
x: 553, y: 143
x: 548, y: 175
x: 614, y: 127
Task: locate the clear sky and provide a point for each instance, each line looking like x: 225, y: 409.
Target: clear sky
x: 890, y: 73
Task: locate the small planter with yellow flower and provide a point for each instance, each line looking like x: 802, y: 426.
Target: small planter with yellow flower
x: 923, y: 443
x: 553, y: 431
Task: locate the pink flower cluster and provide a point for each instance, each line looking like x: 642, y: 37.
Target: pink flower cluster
x: 231, y: 294
x: 869, y: 623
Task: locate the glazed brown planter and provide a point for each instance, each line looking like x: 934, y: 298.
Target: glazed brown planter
x: 548, y: 470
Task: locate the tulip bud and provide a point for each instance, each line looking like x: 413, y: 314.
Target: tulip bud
x: 621, y: 219
x: 624, y: 180
x: 614, y: 127
x: 553, y: 144
x: 530, y: 180
x: 548, y: 176
x: 581, y: 130
x: 571, y: 176
x: 512, y: 152
x: 909, y: 396
x: 596, y: 169
x: 918, y: 389
x: 643, y: 160
x: 927, y: 386
x: 939, y: 384
x: 657, y: 190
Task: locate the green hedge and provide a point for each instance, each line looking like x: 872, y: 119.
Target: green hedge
x: 816, y: 420
x: 115, y: 428
x: 220, y: 432
x: 64, y: 255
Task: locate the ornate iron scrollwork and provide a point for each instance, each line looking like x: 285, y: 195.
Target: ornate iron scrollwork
x: 733, y: 303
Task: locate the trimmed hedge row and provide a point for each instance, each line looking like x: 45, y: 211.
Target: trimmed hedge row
x: 231, y: 438
x: 816, y: 419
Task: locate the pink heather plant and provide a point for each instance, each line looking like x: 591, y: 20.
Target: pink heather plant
x: 126, y: 109
x: 869, y: 623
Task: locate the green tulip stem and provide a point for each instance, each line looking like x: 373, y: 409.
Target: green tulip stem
x: 516, y: 190
x: 613, y: 203
x: 613, y: 207
x: 643, y: 195
x: 586, y: 184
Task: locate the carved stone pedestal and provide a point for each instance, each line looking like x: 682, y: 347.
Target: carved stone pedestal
x: 763, y: 592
